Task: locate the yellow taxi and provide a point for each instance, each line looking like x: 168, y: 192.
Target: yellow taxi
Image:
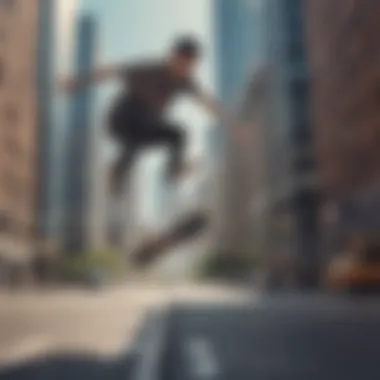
x: 358, y: 269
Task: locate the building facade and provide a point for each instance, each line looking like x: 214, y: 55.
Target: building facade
x: 18, y: 22
x: 78, y: 165
x: 291, y: 173
x: 45, y: 74
x: 345, y: 83
x: 54, y: 60
x: 247, y: 178
x: 343, y: 49
x: 271, y: 191
x: 237, y: 26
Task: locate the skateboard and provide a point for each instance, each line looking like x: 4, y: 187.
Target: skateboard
x: 187, y: 228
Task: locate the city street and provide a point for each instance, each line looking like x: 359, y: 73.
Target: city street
x: 83, y: 321
x: 201, y: 333
x: 289, y: 337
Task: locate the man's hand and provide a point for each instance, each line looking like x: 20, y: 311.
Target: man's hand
x: 214, y: 108
x: 243, y: 133
x: 67, y: 84
x: 218, y: 111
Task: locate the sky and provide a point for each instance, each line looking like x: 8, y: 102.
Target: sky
x: 133, y: 29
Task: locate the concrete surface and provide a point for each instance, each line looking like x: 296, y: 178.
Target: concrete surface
x: 94, y: 322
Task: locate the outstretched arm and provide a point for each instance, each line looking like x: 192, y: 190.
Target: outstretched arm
x: 241, y: 131
x: 94, y: 77
x: 214, y: 108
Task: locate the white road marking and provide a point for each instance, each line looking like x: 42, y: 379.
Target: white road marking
x: 203, y: 361
x: 151, y: 348
x: 28, y: 348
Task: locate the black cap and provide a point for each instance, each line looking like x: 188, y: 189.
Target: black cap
x: 187, y: 46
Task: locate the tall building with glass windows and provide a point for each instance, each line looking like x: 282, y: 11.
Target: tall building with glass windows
x: 78, y: 165
x: 237, y: 26
x: 238, y: 45
x: 275, y: 75
x: 56, y: 24
x: 291, y: 173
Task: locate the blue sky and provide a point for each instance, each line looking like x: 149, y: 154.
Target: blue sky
x: 132, y: 29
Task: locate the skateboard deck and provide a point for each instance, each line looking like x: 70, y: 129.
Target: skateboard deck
x: 187, y: 228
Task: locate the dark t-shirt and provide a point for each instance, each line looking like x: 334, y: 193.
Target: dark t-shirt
x: 153, y: 84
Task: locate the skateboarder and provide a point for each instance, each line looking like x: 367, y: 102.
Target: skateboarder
x: 137, y: 119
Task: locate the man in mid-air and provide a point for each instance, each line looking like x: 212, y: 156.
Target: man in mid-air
x: 138, y: 117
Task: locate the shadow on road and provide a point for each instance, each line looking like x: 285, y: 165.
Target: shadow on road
x: 70, y: 367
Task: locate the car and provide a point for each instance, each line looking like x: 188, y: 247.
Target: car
x: 356, y: 270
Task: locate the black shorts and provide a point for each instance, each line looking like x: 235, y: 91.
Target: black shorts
x: 132, y: 120
x: 133, y: 123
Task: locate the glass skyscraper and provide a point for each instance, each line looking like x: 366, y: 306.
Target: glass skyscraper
x: 268, y: 37
x: 54, y: 59
x: 78, y: 145
x: 238, y: 44
x: 237, y: 26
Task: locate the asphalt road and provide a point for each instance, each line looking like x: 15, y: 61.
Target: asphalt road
x: 207, y: 334
x: 286, y: 338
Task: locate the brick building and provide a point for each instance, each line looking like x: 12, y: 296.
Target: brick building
x: 344, y: 60
x: 18, y: 22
